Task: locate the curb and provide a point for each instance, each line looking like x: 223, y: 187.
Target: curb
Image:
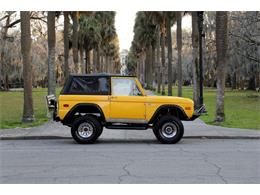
x: 185, y: 137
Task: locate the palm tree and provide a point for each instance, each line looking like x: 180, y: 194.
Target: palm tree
x: 156, y: 18
x: 221, y: 45
x: 66, y: 44
x: 145, y: 36
x: 195, y: 60
x: 108, y: 33
x: 75, y: 19
x: 27, y: 67
x: 89, y: 36
x: 51, y: 52
x: 179, y: 48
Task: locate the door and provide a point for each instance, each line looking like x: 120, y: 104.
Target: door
x: 127, y: 103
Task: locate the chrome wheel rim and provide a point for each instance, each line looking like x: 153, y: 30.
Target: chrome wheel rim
x: 85, y: 130
x: 169, y: 130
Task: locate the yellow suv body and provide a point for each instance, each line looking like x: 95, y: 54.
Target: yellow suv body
x: 118, y: 102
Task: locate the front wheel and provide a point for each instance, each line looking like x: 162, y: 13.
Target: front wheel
x: 168, y: 130
x: 86, y: 130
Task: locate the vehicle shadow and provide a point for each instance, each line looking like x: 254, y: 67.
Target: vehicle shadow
x: 110, y: 141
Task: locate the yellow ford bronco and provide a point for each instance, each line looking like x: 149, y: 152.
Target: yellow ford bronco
x: 87, y: 103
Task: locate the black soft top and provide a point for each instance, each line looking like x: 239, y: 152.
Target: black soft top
x: 89, y: 84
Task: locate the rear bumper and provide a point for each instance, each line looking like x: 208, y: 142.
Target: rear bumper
x: 198, y: 112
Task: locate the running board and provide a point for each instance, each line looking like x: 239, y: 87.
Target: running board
x: 125, y: 127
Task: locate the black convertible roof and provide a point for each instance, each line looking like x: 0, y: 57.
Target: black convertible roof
x: 100, y: 75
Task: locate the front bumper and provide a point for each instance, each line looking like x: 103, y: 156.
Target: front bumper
x: 52, y: 106
x: 198, y: 112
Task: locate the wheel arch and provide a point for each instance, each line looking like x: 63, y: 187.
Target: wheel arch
x: 174, y: 110
x: 91, y: 108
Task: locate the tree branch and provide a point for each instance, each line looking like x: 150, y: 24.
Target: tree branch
x: 19, y: 20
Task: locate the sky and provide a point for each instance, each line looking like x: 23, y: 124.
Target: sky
x: 125, y: 23
x: 124, y: 26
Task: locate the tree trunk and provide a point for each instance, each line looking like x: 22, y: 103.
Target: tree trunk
x: 81, y: 58
x: 163, y: 63
x: 105, y: 64
x: 86, y: 61
x: 153, y: 68
x: 98, y: 60
x: 75, y: 18
x: 159, y: 78
x: 27, y: 67
x: 195, y: 59
x: 179, y: 47
x: 51, y: 52
x: 89, y: 62
x: 169, y: 46
x: 3, y: 64
x: 221, y: 45
x: 66, y: 44
x: 101, y: 63
x: 148, y: 67
x: 94, y: 52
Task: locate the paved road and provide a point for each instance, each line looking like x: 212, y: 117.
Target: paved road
x: 122, y: 160
x: 195, y: 129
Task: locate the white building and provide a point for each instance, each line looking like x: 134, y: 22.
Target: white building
x: 123, y: 61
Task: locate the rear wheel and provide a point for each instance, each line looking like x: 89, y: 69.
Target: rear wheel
x: 168, y: 129
x: 100, y: 132
x: 86, y: 130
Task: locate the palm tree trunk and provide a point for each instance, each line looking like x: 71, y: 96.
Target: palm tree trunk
x: 94, y: 60
x: 138, y: 68
x: 98, y: 60
x: 101, y: 62
x: 148, y: 67
x: 66, y: 44
x: 3, y: 73
x: 106, y: 64
x: 179, y: 47
x: 27, y: 67
x: 51, y: 52
x: 153, y: 74
x: 75, y: 18
x: 221, y: 45
x: 89, y: 62
x: 86, y: 61
x: 81, y: 58
x: 195, y: 59
x: 163, y: 64
x: 159, y: 78
x: 143, y: 68
x: 169, y: 45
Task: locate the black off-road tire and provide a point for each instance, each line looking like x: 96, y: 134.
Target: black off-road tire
x: 168, y: 129
x: 101, y: 131
x: 86, y: 129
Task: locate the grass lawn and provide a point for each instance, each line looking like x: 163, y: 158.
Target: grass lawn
x: 11, y: 108
x: 242, y: 108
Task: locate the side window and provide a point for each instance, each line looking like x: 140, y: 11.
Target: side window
x: 125, y: 87
x: 89, y: 86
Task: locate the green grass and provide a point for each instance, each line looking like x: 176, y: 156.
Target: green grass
x: 242, y: 108
x: 11, y: 109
